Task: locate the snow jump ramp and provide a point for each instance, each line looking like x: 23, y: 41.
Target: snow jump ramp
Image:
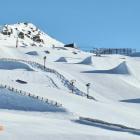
x: 122, y: 68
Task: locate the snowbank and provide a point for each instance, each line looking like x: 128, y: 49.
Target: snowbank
x: 14, y: 101
x: 10, y: 65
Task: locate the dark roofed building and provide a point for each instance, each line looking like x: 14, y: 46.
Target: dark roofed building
x: 72, y: 45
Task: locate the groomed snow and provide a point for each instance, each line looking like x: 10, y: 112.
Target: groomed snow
x: 114, y: 79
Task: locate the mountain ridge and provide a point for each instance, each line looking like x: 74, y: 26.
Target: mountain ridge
x: 30, y: 34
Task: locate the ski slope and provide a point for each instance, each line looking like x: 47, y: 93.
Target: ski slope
x: 115, y: 91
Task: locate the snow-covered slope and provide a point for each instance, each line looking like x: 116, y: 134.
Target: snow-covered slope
x: 113, y: 95
x: 28, y: 31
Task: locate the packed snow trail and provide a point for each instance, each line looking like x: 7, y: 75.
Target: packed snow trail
x: 63, y: 80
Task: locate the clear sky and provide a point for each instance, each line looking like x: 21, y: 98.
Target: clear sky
x: 89, y: 23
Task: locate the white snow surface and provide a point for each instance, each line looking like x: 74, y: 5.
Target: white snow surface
x: 114, y: 79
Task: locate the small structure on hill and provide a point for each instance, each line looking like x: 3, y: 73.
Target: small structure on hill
x: 72, y: 45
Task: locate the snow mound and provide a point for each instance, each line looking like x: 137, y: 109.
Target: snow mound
x: 34, y: 53
x: 120, y: 69
x: 11, y: 65
x: 61, y: 59
x: 87, y: 61
x: 137, y: 54
x: 13, y: 101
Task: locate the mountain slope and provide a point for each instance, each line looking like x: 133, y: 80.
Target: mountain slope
x: 28, y: 31
x: 114, y: 79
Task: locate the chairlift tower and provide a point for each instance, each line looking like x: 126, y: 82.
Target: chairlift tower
x: 17, y: 39
x: 44, y: 58
x: 88, y: 87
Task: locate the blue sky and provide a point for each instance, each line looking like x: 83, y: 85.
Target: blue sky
x: 89, y: 23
